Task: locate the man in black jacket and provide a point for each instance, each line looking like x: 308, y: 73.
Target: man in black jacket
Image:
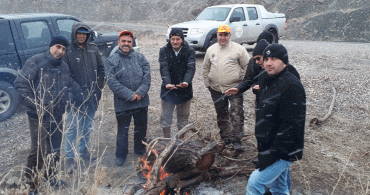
x: 254, y: 71
x: 87, y: 69
x: 177, y: 66
x: 46, y: 86
x: 280, y: 122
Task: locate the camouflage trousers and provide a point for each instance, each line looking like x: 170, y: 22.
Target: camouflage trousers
x: 230, y: 115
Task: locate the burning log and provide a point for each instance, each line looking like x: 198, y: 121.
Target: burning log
x: 174, y: 164
x: 175, y: 156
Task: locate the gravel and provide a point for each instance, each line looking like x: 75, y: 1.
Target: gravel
x: 336, y: 158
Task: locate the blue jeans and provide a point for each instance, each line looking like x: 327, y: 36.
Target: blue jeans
x: 78, y: 131
x: 140, y: 116
x: 276, y: 176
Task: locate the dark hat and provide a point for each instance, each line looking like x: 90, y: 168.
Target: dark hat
x: 261, y: 45
x: 59, y: 40
x: 177, y: 32
x: 125, y: 32
x: 82, y: 30
x: 276, y: 50
x: 268, y: 36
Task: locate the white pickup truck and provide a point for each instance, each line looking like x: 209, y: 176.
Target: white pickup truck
x: 246, y: 21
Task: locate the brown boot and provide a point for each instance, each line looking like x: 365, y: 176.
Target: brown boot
x: 167, y: 132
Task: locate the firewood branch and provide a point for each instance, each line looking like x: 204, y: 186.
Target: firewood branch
x: 318, y: 121
x: 155, y: 173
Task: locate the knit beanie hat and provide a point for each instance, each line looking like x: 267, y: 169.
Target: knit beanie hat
x: 268, y: 36
x: 177, y: 32
x: 276, y: 50
x: 59, y: 40
x: 261, y: 45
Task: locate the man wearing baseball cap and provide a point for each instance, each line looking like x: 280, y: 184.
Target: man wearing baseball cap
x: 224, y: 67
x: 254, y: 71
x: 128, y: 75
x: 87, y: 69
x: 280, y: 122
x: 46, y: 86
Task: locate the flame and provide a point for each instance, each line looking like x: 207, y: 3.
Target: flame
x: 148, y: 168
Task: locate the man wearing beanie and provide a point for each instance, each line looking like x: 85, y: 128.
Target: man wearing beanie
x: 87, y: 69
x: 177, y: 66
x: 224, y: 67
x: 128, y: 76
x: 255, y: 67
x: 280, y: 122
x: 46, y: 86
x: 255, y: 71
x: 267, y: 35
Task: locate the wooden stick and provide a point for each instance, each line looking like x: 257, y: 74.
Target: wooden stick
x: 317, y: 121
x: 156, y: 169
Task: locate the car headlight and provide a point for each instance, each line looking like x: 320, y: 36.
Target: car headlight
x: 196, y: 31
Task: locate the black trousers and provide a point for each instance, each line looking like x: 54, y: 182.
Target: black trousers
x: 140, y: 116
x: 46, y: 138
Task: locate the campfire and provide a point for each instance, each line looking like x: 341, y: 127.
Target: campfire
x: 171, y: 166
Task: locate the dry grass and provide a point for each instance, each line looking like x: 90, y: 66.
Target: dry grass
x: 336, y: 159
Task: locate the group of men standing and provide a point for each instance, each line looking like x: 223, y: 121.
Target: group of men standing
x: 70, y: 78
x: 67, y: 78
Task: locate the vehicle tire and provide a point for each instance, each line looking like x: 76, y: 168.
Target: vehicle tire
x: 9, y: 100
x: 276, y: 37
x: 212, y: 41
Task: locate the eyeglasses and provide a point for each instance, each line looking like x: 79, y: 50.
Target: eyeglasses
x: 223, y: 34
x: 257, y: 58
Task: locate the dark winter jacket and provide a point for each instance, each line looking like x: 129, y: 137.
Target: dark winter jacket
x: 87, y: 68
x: 250, y: 77
x: 175, y: 70
x: 280, y: 119
x: 253, y: 74
x: 128, y: 75
x: 46, y: 81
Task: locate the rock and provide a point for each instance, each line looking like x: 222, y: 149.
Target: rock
x: 13, y: 181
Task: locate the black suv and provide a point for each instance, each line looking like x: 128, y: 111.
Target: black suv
x: 25, y: 35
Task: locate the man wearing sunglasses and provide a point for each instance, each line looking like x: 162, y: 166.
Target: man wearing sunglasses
x: 255, y: 67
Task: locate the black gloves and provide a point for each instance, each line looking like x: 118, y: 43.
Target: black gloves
x: 255, y: 91
x: 265, y: 159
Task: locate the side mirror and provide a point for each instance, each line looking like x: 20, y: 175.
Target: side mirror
x: 94, y: 35
x: 234, y: 19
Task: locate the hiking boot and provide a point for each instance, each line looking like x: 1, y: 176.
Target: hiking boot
x: 255, y: 161
x: 167, y: 132
x: 120, y: 161
x: 70, y: 162
x: 238, y: 146
x: 57, y: 184
x: 267, y: 192
x: 140, y: 152
x: 33, y: 192
x: 86, y: 156
x: 227, y: 141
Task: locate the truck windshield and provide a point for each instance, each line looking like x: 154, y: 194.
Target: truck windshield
x: 214, y: 13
